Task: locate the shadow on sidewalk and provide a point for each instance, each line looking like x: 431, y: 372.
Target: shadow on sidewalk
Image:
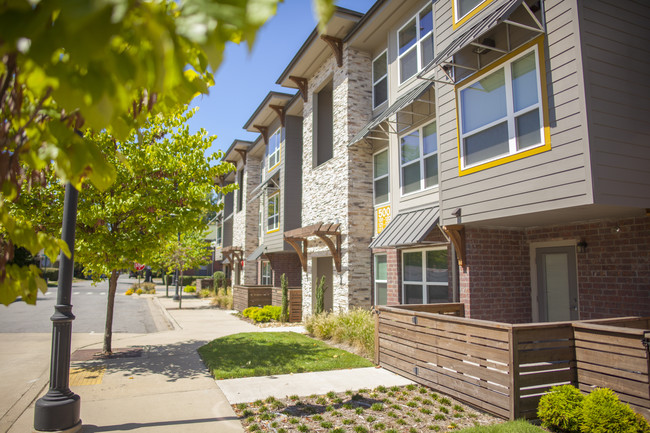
x: 174, y: 361
x: 90, y: 428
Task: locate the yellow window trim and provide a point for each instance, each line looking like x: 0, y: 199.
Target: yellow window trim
x: 267, y: 211
x: 274, y: 230
x: 539, y: 42
x: 467, y: 17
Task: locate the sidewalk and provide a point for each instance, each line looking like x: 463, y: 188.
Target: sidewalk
x: 164, y: 384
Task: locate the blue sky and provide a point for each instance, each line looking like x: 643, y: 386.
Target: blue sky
x: 245, y: 77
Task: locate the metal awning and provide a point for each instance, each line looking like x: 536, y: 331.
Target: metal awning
x: 408, y: 228
x: 474, y: 33
x: 397, y: 106
x: 259, y: 189
x: 256, y: 254
x: 225, y: 261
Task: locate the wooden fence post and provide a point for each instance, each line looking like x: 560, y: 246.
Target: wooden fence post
x: 376, y: 313
x: 514, y: 373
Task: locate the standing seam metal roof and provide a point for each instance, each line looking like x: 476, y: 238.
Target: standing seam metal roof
x: 408, y: 228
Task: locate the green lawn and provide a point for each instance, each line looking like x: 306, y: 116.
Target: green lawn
x: 507, y: 427
x: 268, y: 353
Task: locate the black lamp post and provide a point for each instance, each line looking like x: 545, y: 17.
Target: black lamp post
x: 176, y: 297
x: 59, y: 409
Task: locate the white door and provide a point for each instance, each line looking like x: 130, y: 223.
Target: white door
x: 557, y: 284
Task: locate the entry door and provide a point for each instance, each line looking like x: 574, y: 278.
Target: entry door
x: 324, y: 267
x: 557, y: 284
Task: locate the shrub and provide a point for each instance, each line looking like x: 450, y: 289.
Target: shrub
x: 561, y: 409
x: 51, y: 274
x: 129, y: 292
x: 142, y: 288
x: 355, y: 328
x: 139, y: 291
x: 189, y: 289
x: 218, y: 279
x: 205, y: 293
x: 320, y: 296
x: 284, y: 313
x: 265, y: 314
x: 602, y: 412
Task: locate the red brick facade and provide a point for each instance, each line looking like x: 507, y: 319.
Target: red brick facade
x: 284, y: 263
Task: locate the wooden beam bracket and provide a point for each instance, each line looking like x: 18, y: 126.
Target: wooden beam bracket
x: 334, y: 249
x: 456, y: 233
x: 302, y: 252
x: 242, y: 153
x: 336, y: 45
x: 280, y: 110
x: 264, y: 130
x: 303, y: 86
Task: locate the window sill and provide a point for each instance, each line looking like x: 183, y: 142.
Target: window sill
x: 273, y: 231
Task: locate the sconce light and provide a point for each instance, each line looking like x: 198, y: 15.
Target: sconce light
x: 581, y: 247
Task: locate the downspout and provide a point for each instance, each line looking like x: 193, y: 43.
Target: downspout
x: 455, y: 286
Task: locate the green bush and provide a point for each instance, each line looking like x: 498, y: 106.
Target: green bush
x: 321, y: 288
x: 602, y: 412
x: 284, y: 313
x: 264, y: 314
x: 146, y: 288
x: 189, y: 289
x: 205, y: 293
x: 355, y: 328
x: 218, y: 279
x: 561, y: 409
x: 51, y: 274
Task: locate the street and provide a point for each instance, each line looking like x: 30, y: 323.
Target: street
x: 131, y: 314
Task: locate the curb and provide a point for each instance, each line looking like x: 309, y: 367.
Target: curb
x: 175, y: 325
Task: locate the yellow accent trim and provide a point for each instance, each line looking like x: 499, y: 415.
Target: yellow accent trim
x: 469, y: 15
x: 539, y: 42
x: 268, y: 199
x: 273, y: 231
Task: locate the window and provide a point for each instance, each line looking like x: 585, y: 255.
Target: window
x: 260, y: 221
x: 425, y: 276
x: 273, y: 150
x: 266, y: 274
x: 273, y: 213
x: 381, y: 280
x: 465, y: 9
x: 380, y: 174
x: 240, y: 192
x: 379, y: 80
x: 419, y: 159
x: 415, y: 44
x: 323, y: 125
x: 219, y: 235
x: 501, y: 115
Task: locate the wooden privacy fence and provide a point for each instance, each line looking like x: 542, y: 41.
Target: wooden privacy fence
x: 505, y: 368
x: 259, y: 296
x: 295, y: 302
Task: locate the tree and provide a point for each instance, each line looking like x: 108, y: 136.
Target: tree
x: 103, y: 65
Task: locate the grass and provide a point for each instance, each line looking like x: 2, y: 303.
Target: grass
x: 508, y: 427
x: 356, y: 328
x: 269, y: 353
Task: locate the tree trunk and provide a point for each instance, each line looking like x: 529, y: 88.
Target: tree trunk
x: 108, y: 330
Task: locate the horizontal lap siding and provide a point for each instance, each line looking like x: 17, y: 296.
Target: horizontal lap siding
x: 616, y: 58
x: 244, y: 297
x: 550, y: 180
x: 295, y: 302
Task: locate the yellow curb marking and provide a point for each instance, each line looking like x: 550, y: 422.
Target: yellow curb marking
x: 87, y: 375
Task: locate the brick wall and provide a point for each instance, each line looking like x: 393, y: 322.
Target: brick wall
x: 394, y: 274
x: 285, y: 263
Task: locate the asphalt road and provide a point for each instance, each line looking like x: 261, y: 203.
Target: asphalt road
x: 131, y: 314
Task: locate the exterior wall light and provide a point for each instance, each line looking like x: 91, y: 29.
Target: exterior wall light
x: 581, y: 247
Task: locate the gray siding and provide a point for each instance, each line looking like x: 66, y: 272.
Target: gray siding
x: 293, y: 174
x: 227, y: 233
x: 551, y: 180
x: 616, y: 57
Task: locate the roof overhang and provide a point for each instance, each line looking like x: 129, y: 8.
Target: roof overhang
x: 237, y: 151
x: 271, y: 108
x: 259, y: 251
x: 500, y: 32
x: 409, y: 229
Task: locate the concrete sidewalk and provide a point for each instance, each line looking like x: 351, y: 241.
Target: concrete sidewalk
x: 163, y: 386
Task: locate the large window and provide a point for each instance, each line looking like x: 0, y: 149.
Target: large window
x: 381, y: 279
x: 501, y: 113
x: 380, y: 177
x: 266, y: 274
x: 323, y: 125
x: 273, y: 150
x: 273, y: 213
x: 379, y: 80
x: 419, y: 159
x: 425, y: 276
x: 415, y: 44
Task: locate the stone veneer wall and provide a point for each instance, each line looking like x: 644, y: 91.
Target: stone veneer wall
x: 340, y: 190
x: 245, y: 222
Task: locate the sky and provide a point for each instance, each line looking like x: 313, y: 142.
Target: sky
x: 246, y: 77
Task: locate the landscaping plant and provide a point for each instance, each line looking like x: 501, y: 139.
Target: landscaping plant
x: 356, y: 328
x: 284, y: 314
x: 264, y: 314
x: 189, y: 289
x: 320, y: 296
x: 218, y: 279
x: 560, y: 409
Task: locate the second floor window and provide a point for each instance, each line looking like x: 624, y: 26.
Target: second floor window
x: 379, y: 80
x: 273, y: 213
x: 219, y: 235
x: 415, y: 44
x: 419, y: 159
x: 323, y: 140
x: 380, y: 175
x: 273, y: 150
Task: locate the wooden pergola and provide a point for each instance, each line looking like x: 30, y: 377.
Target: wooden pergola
x: 330, y: 234
x: 233, y: 254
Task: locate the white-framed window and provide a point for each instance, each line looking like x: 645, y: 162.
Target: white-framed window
x: 425, y: 277
x: 260, y: 220
x: 465, y: 9
x: 500, y: 112
x: 219, y: 238
x: 415, y: 44
x: 419, y: 159
x: 381, y: 279
x: 273, y: 213
x: 381, y: 184
x: 266, y: 273
x: 273, y: 150
x: 379, y: 80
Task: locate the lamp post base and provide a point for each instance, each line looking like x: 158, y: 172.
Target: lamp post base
x: 58, y: 412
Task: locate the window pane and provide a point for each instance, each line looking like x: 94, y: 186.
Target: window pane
x: 487, y: 144
x: 430, y: 139
x: 381, y: 164
x: 426, y: 47
x: 381, y: 92
x: 431, y: 171
x: 437, y: 294
x: 528, y: 130
x: 413, y: 294
x: 437, y: 266
x: 412, y: 266
x: 411, y: 177
x: 381, y: 294
x: 408, y: 65
x: 524, y: 81
x: 379, y: 68
x: 484, y: 101
x: 426, y: 21
x: 410, y: 147
x: 381, y: 190
x: 407, y: 37
x: 381, y: 267
x: 465, y: 6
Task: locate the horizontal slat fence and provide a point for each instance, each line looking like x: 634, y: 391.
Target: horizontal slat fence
x: 504, y: 368
x: 295, y: 302
x: 251, y: 296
